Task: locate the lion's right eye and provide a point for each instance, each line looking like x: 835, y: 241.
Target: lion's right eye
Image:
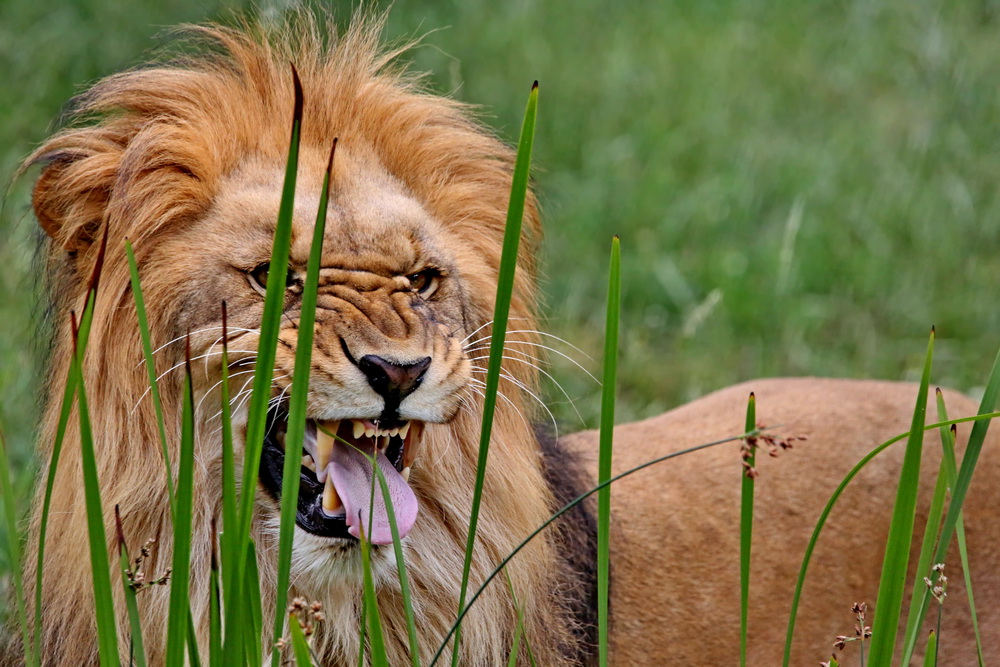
x: 259, y: 276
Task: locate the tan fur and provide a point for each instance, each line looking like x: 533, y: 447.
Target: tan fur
x: 186, y: 161
x: 675, y: 547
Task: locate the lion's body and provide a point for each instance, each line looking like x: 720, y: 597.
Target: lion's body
x: 186, y: 161
x: 675, y: 544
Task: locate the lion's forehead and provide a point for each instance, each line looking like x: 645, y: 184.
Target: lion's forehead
x: 373, y: 223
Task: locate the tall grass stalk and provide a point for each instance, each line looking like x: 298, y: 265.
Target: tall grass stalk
x: 261, y: 393
x: 81, y: 337
x: 604, y: 455
x: 291, y: 471
x: 934, y: 515
x: 300, y: 647
x: 107, y: 635
x: 746, y: 525
x: 951, y: 472
x: 214, y: 611
x: 404, y: 580
x: 253, y: 607
x: 892, y: 582
x: 177, y: 620
x: 147, y: 351
x: 505, y: 287
x: 376, y: 638
x: 227, y: 540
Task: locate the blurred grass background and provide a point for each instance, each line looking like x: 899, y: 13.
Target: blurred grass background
x: 800, y: 188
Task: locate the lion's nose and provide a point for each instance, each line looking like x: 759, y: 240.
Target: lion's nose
x: 392, y: 381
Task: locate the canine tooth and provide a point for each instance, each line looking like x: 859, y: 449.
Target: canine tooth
x: 331, y: 501
x: 385, y: 443
x: 406, y: 474
x: 403, y: 430
x: 359, y: 428
x: 370, y: 432
x: 411, y: 446
x: 324, y: 444
x: 307, y: 462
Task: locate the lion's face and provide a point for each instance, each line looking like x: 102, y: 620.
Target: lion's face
x: 388, y: 353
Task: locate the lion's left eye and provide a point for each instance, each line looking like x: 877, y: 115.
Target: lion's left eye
x: 424, y: 282
x: 260, y: 274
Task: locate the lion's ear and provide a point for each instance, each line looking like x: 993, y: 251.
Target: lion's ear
x: 71, y: 195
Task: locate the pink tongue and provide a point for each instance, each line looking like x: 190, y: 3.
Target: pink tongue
x: 351, y: 472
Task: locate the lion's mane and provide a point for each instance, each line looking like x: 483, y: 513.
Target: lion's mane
x: 145, y: 154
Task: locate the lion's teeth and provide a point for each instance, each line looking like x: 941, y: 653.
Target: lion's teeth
x: 325, y: 432
x: 359, y: 428
x: 307, y: 462
x: 411, y: 446
x: 403, y: 430
x: 406, y: 474
x: 385, y: 443
x: 331, y: 501
x: 370, y: 432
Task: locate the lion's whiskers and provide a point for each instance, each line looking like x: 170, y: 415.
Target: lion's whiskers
x: 522, y: 387
x: 559, y: 386
x: 481, y: 345
x: 241, y: 331
x: 180, y: 364
x: 477, y: 383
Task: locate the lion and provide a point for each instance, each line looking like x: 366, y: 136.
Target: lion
x: 185, y: 159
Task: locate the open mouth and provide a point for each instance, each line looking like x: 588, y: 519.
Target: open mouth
x: 335, y: 491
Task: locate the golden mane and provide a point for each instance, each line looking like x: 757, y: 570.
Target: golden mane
x: 147, y: 154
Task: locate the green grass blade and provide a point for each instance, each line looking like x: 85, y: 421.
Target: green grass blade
x: 552, y: 519
x: 892, y: 583
x: 404, y: 580
x: 299, y: 645
x: 255, y: 611
x: 82, y: 335
x: 107, y: 637
x: 194, y: 659
x: 227, y: 539
x: 930, y: 658
x: 362, y: 632
x: 516, y: 644
x: 934, y: 515
x: 14, y: 548
x: 147, y: 350
x: 505, y: 286
x: 605, y: 450
x: 179, y: 612
x: 746, y: 525
x: 375, y: 634
x: 264, y: 371
x: 138, y: 651
x: 297, y: 411
x: 519, y: 635
x: 214, y: 614
x: 967, y: 576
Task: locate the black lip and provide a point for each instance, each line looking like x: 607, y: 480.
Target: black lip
x: 309, y: 515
